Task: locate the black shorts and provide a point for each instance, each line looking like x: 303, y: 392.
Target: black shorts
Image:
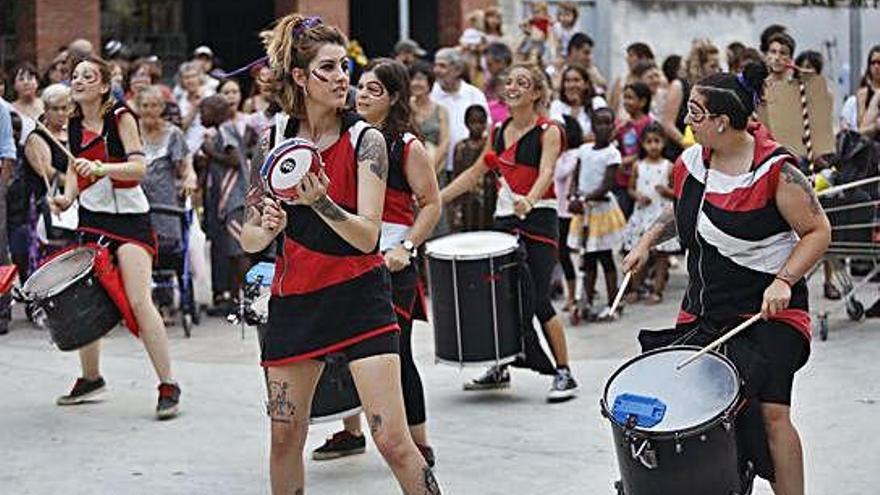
x: 385, y: 343
x: 786, y: 351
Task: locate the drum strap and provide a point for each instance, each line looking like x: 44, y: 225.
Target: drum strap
x: 111, y: 279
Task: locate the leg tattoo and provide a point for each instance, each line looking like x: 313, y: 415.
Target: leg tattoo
x: 431, y: 485
x: 279, y: 407
x: 375, y: 423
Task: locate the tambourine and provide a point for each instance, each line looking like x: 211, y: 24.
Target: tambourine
x: 287, y: 164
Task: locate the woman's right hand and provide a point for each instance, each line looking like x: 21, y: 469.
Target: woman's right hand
x: 636, y: 259
x: 274, y: 218
x: 59, y: 203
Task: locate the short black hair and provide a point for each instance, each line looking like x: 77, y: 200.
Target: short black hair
x: 574, y: 133
x: 672, y: 67
x: 475, y: 109
x: 424, y: 68
x: 499, y: 51
x: 641, y: 50
x: 579, y: 40
x: 811, y: 57
x: 768, y: 33
x: 783, y: 39
x: 735, y: 95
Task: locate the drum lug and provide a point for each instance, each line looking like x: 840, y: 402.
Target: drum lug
x: 51, y: 304
x: 703, y: 437
x: 679, y: 448
x: 727, y: 424
x: 645, y: 454
x: 90, y: 282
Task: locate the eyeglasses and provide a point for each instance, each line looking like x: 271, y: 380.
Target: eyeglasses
x: 697, y: 115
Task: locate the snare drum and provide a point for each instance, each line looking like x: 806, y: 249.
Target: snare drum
x: 335, y: 395
x: 475, y: 297
x: 286, y: 165
x: 78, y: 309
x: 674, y: 430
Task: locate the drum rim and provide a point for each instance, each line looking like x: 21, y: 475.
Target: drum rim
x: 469, y: 257
x: 54, y: 291
x: 685, y: 432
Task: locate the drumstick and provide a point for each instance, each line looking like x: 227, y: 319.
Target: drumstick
x: 55, y: 140
x: 724, y: 338
x: 620, y: 292
x: 848, y: 185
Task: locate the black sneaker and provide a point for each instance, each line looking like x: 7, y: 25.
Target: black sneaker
x: 874, y: 310
x: 169, y: 398
x: 564, y: 387
x: 427, y: 453
x: 495, y: 378
x: 341, y: 444
x: 83, y: 390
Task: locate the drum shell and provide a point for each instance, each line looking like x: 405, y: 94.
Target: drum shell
x: 80, y: 314
x: 706, y: 463
x: 336, y: 396
x: 466, y: 286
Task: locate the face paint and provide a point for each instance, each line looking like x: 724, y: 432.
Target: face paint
x: 317, y: 75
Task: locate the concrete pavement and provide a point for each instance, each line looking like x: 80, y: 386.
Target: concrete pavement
x: 494, y: 443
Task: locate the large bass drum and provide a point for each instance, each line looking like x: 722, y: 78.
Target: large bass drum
x: 78, y: 309
x: 476, y: 298
x: 674, y: 431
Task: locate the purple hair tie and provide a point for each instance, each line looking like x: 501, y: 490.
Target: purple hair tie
x: 307, y: 23
x: 756, y: 97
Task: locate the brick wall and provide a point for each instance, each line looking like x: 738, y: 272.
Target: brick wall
x: 45, y: 25
x: 332, y: 11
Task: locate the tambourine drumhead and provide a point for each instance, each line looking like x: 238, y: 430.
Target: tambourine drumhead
x: 471, y: 245
x: 286, y: 165
x: 694, y: 395
x: 59, y: 273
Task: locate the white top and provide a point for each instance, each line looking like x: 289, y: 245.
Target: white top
x: 558, y: 109
x: 651, y: 175
x: 849, y: 114
x: 456, y: 104
x: 593, y: 165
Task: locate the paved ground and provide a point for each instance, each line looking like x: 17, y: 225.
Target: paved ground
x: 498, y: 443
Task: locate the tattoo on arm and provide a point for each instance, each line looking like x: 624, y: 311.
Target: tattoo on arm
x: 330, y: 210
x: 279, y: 408
x: 668, y: 227
x: 786, y: 276
x: 375, y: 423
x: 373, y: 153
x: 431, y: 485
x: 794, y: 176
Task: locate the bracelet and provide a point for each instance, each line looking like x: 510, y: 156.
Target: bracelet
x: 786, y: 282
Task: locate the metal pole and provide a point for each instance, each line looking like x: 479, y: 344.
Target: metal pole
x: 403, y: 21
x: 855, y: 47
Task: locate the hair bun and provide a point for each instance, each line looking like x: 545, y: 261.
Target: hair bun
x: 755, y: 73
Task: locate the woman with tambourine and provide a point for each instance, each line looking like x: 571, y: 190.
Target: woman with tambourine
x: 331, y: 292
x: 524, y: 149
x: 113, y: 210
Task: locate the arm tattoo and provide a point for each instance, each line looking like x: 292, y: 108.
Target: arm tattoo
x: 330, y: 210
x: 794, y: 176
x: 668, y: 227
x: 431, y: 485
x: 375, y: 423
x: 279, y: 408
x: 373, y: 153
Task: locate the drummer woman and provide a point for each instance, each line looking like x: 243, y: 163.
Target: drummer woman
x: 753, y: 227
x: 103, y: 135
x: 383, y: 99
x: 331, y: 291
x: 527, y: 145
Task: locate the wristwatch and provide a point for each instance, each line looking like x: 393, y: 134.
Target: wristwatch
x: 409, y: 246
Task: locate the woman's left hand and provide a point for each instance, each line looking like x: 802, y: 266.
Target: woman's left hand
x: 312, y: 188
x: 85, y: 167
x: 521, y: 206
x: 776, y: 298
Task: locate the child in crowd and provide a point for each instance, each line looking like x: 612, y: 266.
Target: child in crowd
x: 225, y: 189
x: 473, y: 211
x: 603, y: 220
x: 637, y: 103
x: 565, y: 181
x: 564, y: 27
x: 650, y: 190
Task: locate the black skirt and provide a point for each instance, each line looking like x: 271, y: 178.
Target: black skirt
x: 118, y: 229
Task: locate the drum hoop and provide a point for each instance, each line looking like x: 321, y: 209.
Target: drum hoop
x: 686, y: 432
x: 58, y: 289
x: 481, y: 364
x: 471, y: 257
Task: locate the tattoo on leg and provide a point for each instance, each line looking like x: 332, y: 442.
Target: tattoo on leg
x: 279, y: 408
x: 431, y: 485
x: 325, y: 206
x: 375, y: 423
x: 794, y: 176
x: 374, y: 154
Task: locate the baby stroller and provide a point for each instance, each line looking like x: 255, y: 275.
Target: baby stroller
x: 852, y: 208
x: 172, y: 279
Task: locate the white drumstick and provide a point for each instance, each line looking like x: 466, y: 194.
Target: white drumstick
x: 620, y: 292
x: 55, y: 140
x: 724, y: 338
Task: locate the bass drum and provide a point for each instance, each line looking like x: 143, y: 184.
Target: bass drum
x: 78, y: 309
x: 674, y: 430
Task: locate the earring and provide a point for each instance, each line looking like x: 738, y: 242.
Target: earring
x: 721, y: 129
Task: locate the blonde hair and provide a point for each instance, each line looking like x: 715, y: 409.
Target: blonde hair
x: 476, y: 19
x: 541, y: 82
x: 701, y: 50
x: 292, y: 43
